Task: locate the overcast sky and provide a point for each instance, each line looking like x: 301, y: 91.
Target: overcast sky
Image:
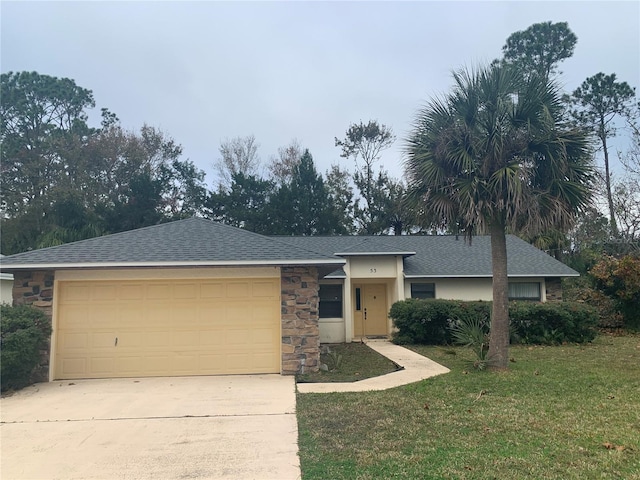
x: 206, y: 71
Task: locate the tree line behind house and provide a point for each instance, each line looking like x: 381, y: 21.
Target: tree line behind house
x: 505, y: 151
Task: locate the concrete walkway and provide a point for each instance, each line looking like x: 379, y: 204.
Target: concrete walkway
x: 416, y: 368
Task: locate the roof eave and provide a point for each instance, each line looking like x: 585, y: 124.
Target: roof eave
x: 372, y: 254
x: 224, y: 263
x: 528, y: 275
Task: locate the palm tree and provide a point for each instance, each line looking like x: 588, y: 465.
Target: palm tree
x: 494, y: 155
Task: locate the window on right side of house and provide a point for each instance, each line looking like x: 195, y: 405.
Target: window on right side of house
x: 423, y: 290
x: 524, y: 291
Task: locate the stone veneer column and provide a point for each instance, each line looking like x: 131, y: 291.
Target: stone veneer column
x: 300, y: 331
x: 553, y: 289
x: 36, y: 288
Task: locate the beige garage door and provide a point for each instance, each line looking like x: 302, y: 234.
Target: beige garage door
x: 167, y: 327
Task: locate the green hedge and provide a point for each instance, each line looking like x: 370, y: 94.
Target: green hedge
x: 24, y: 331
x: 430, y: 321
x: 554, y: 322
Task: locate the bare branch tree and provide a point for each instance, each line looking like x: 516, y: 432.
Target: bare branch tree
x: 281, y: 167
x: 238, y: 155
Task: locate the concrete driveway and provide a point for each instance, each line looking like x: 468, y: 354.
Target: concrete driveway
x: 152, y: 428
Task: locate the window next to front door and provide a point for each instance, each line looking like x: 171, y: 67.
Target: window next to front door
x: 330, y: 301
x: 423, y: 290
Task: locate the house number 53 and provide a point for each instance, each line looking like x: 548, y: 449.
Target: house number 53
x: 372, y: 270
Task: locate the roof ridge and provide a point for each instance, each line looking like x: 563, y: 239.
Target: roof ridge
x: 284, y: 242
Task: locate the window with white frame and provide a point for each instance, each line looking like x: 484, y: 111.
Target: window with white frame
x: 330, y: 301
x: 524, y: 291
x: 423, y: 290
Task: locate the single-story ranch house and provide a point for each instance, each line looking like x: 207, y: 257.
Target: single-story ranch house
x: 195, y: 297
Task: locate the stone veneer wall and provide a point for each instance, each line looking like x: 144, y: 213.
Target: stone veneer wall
x: 36, y: 288
x: 300, y: 331
x: 554, y: 289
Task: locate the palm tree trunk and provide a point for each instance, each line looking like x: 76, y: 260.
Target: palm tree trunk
x: 499, y: 341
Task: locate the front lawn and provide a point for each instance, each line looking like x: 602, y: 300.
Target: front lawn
x: 349, y: 362
x: 566, y: 412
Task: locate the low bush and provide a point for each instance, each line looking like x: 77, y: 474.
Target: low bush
x: 429, y: 322
x: 24, y: 331
x: 619, y: 278
x: 434, y: 322
x: 609, y: 315
x: 554, y: 322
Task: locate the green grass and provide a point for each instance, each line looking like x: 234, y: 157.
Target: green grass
x: 566, y: 412
x: 350, y: 362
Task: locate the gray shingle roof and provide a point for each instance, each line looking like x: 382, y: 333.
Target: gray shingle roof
x: 197, y: 241
x: 191, y: 241
x: 444, y: 256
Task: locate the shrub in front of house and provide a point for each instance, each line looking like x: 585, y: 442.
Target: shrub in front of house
x: 431, y: 322
x: 554, y: 322
x: 24, y: 331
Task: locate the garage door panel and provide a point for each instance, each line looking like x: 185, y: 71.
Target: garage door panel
x: 108, y: 292
x: 186, y: 291
x: 103, y: 340
x: 100, y: 366
x: 209, y: 290
x: 212, y: 338
x: 75, y: 315
x: 75, y: 293
x: 161, y: 316
x: 156, y: 364
x: 130, y: 365
x: 183, y: 364
x: 186, y: 339
x: 168, y: 327
x: 160, y: 339
x: 159, y: 291
x: 238, y: 290
x: 127, y: 314
x: 74, y: 366
x: 261, y: 336
x: 70, y: 341
x: 131, y: 291
x: 264, y: 289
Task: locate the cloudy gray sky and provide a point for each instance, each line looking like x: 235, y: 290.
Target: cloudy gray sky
x: 205, y: 71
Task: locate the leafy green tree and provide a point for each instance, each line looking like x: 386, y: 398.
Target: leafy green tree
x: 38, y: 114
x: 63, y: 181
x: 70, y: 220
x: 589, y: 239
x: 140, y: 178
x: 246, y: 204
x: 364, y: 143
x: 304, y: 207
x: 599, y: 101
x: 540, y: 48
x: 140, y: 207
x: 384, y: 213
x: 340, y: 190
x: 492, y: 155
